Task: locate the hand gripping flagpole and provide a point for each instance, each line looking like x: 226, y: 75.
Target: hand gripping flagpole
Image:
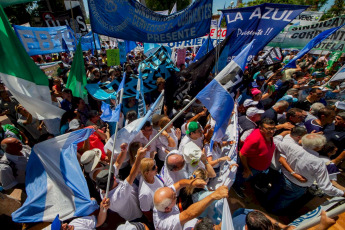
x: 172, y: 120
x: 112, y: 152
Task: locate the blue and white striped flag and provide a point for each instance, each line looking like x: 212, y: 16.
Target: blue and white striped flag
x: 54, y: 182
x: 140, y: 96
x: 217, y: 96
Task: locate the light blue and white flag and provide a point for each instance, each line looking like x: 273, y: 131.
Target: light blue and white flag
x: 54, y: 181
x: 174, y: 9
x: 108, y: 114
x: 226, y: 217
x: 340, y: 75
x: 127, y: 133
x: 314, y: 42
x: 206, y: 47
x: 217, y: 96
x: 140, y: 96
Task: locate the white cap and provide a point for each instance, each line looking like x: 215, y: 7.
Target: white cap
x: 250, y: 102
x: 74, y: 124
x: 340, y: 105
x: 191, y: 153
x: 253, y: 110
x: 90, y: 159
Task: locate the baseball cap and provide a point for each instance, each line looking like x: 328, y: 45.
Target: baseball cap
x: 255, y: 91
x: 254, y: 85
x: 340, y: 105
x: 90, y: 159
x: 102, y: 178
x: 192, y: 127
x: 249, y: 102
x: 191, y: 153
x: 73, y: 124
x: 290, y: 99
x: 253, y: 111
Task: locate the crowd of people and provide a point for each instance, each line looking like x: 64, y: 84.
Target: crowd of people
x: 291, y: 143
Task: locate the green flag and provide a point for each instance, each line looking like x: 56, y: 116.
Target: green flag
x: 5, y: 3
x: 27, y: 83
x: 77, y: 76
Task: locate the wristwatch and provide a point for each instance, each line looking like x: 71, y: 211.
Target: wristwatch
x: 293, y: 172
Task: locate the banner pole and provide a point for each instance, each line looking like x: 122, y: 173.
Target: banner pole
x: 96, y: 52
x: 112, y: 152
x: 170, y: 122
x: 74, y: 29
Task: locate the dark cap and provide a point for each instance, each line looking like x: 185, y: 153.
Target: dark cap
x: 102, y: 178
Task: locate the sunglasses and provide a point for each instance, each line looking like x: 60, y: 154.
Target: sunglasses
x: 154, y: 167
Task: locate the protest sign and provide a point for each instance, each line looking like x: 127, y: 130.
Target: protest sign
x: 113, y: 57
x: 299, y: 36
x: 306, y: 18
x: 45, y: 40
x: 87, y: 42
x: 262, y: 23
x: 116, y: 18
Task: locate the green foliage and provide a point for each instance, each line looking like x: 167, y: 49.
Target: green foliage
x: 156, y: 5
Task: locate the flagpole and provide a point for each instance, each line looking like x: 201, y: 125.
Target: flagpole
x: 96, y: 52
x: 170, y: 122
x: 112, y: 152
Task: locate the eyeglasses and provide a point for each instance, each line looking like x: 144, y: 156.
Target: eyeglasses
x: 154, y: 167
x: 270, y: 129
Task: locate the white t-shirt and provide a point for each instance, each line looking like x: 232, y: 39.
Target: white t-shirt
x: 215, y: 153
x: 86, y: 222
x: 170, y: 177
x: 124, y: 201
x: 146, y: 193
x: 164, y: 144
x: 109, y: 146
x: 187, y: 139
x: 167, y: 221
x: 143, y: 140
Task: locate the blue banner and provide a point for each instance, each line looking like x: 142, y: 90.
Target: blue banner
x: 46, y: 40
x: 157, y: 65
x: 87, y: 42
x: 130, y: 20
x: 262, y: 23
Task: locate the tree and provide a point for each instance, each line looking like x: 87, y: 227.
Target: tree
x: 338, y: 8
x: 156, y: 5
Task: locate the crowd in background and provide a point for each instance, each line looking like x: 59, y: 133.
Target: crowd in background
x: 291, y: 145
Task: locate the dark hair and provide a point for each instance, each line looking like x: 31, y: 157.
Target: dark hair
x: 342, y: 115
x: 147, y: 124
x: 69, y: 115
x: 324, y: 111
x: 256, y: 220
x: 267, y: 121
x: 66, y: 90
x: 313, y: 90
x: 292, y: 112
x: 205, y: 224
x: 327, y: 148
x: 131, y: 116
x: 298, y: 131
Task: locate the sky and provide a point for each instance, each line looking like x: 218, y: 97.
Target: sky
x: 219, y: 4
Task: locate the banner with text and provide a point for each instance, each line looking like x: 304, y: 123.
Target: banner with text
x: 262, y: 23
x: 299, y: 36
x: 46, y: 40
x: 116, y: 18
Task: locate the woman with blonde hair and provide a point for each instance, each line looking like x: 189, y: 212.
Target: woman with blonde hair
x: 149, y: 183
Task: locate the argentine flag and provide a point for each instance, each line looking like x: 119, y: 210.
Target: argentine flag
x: 217, y: 96
x: 54, y: 182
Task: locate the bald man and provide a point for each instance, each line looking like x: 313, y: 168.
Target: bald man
x: 166, y: 214
x: 173, y: 169
x: 13, y: 163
